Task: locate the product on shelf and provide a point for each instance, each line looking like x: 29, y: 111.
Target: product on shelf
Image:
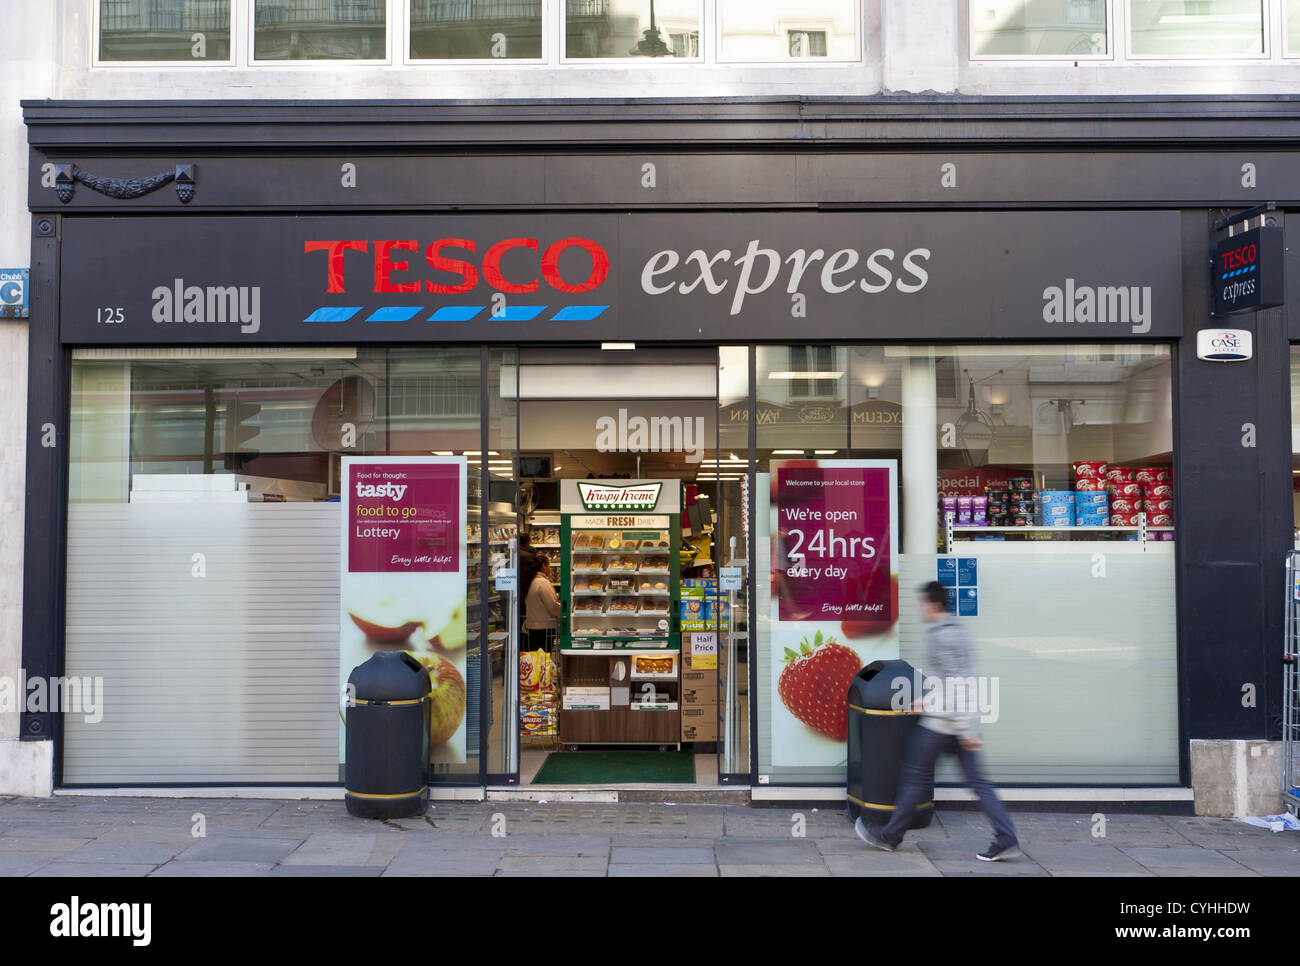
x: 1090, y: 470
x: 1055, y: 508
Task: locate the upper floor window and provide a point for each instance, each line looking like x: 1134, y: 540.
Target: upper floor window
x: 320, y: 30
x: 476, y: 29
x: 776, y: 30
x: 164, y: 30
x: 631, y: 29
x: 1292, y: 13
x: 1196, y: 28
x: 1037, y: 28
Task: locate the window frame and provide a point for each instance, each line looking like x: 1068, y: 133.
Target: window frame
x: 1111, y: 55
x: 792, y: 21
x: 95, y: 19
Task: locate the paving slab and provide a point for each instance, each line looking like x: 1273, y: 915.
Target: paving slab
x: 416, y: 862
x: 767, y: 852
x: 1186, y: 860
x: 341, y: 849
x: 873, y: 862
x: 1267, y: 861
x: 632, y: 870
x: 87, y: 870
x: 772, y: 871
x: 1069, y: 859
x: 327, y: 871
x: 958, y: 858
x: 122, y: 853
x: 661, y: 855
x: 264, y: 848
x: 207, y: 870
x: 19, y: 865
x: 547, y: 864
x: 552, y: 845
x: 51, y: 846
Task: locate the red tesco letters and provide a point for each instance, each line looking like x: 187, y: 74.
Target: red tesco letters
x: 386, y: 265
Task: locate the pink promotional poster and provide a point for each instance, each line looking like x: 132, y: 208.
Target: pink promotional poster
x: 832, y: 597
x: 402, y: 581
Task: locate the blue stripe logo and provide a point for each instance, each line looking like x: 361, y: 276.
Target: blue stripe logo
x: 457, y: 313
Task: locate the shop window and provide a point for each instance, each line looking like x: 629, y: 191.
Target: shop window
x: 1196, y: 28
x: 185, y: 31
x: 203, y: 552
x: 1068, y: 576
x: 319, y: 30
x: 476, y: 29
x: 776, y: 30
x: 634, y: 29
x: 1038, y: 28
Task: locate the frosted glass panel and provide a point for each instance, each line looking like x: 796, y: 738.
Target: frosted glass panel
x: 1081, y: 643
x: 224, y: 674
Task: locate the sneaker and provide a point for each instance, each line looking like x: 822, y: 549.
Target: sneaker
x: 996, y: 853
x: 871, y: 837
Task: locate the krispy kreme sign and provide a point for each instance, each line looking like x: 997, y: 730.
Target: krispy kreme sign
x: 603, y: 496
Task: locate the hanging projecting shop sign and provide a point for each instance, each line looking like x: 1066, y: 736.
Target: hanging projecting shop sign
x: 1247, y: 271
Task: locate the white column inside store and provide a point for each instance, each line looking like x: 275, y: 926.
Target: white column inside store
x: 920, y: 455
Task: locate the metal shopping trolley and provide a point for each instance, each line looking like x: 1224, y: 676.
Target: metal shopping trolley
x: 1291, y: 688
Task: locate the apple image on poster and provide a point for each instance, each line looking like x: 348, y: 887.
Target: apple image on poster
x: 425, y: 615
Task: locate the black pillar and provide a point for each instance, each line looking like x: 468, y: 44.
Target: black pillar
x: 1234, y: 512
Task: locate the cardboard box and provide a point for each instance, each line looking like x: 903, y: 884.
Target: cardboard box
x: 699, y: 733
x: 699, y: 696
x: 700, y: 722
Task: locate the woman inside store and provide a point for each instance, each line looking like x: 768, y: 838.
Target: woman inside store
x: 541, y: 608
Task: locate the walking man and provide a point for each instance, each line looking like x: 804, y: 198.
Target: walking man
x: 950, y: 657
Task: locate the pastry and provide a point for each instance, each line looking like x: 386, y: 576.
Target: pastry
x: 660, y: 585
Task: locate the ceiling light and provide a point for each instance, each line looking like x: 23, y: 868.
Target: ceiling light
x: 474, y: 452
x: 805, y: 375
x: 787, y: 452
x: 617, y: 346
x: 825, y: 452
x: 442, y: 452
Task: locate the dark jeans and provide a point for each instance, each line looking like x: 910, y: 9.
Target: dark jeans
x: 918, y: 774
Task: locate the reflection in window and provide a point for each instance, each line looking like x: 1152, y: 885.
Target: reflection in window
x: 319, y: 30
x: 1197, y: 28
x: 1033, y: 28
x: 164, y: 30
x: 1292, y: 28
x: 773, y: 30
x: 476, y: 29
x: 631, y: 28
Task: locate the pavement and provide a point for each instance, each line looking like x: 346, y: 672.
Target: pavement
x: 80, y: 836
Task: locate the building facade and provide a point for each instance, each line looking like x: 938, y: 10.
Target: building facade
x: 974, y: 243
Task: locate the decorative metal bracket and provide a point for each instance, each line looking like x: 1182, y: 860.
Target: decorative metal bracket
x: 66, y: 177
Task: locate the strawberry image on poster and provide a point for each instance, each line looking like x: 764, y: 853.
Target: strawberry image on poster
x: 814, y: 684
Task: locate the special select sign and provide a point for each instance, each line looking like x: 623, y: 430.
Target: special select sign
x: 403, y: 579
x: 833, y: 596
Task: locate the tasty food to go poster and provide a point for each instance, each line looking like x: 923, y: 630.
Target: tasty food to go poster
x: 832, y: 597
x: 403, y: 580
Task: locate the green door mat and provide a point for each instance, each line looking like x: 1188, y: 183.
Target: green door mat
x: 616, y: 767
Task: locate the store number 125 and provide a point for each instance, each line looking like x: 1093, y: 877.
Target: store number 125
x: 109, y: 316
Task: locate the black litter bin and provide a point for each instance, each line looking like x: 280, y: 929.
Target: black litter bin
x: 878, y: 739
x: 386, y: 764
